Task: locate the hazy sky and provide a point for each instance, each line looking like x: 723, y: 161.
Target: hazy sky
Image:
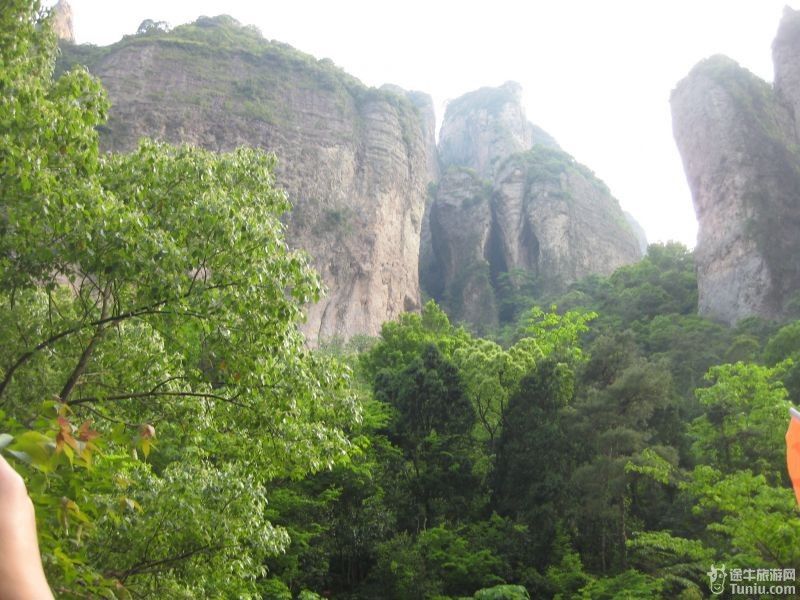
x: 597, y: 75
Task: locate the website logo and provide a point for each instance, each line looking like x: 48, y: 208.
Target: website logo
x: 716, y: 579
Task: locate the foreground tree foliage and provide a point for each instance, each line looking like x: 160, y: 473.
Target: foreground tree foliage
x: 152, y: 378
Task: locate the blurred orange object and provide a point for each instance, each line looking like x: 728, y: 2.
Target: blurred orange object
x: 793, y: 450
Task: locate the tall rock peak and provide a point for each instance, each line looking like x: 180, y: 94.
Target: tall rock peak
x: 737, y: 136
x: 62, y: 21
x: 513, y: 214
x: 483, y: 127
x: 785, y: 53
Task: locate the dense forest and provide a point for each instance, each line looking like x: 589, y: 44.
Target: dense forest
x: 179, y: 439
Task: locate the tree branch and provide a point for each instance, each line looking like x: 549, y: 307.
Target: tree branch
x: 138, y: 395
x: 79, y: 369
x: 151, y: 565
x: 136, y: 312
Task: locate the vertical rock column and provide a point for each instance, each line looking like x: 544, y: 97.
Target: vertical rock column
x: 737, y: 144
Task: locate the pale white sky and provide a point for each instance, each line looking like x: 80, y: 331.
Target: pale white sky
x: 597, y: 75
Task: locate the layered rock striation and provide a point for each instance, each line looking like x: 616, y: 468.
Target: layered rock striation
x: 737, y: 136
x: 355, y: 161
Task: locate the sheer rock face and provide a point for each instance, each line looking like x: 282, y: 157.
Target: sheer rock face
x: 555, y: 219
x: 424, y: 104
x: 461, y: 226
x: 737, y: 137
x: 786, y: 59
x: 511, y: 202
x: 356, y: 162
x: 62, y: 21
x: 638, y: 231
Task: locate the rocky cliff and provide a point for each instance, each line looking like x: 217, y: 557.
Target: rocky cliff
x: 459, y: 273
x: 62, y: 21
x: 638, y: 231
x: 355, y: 161
x: 495, y: 212
x: 737, y: 136
x: 513, y: 213
x: 483, y: 127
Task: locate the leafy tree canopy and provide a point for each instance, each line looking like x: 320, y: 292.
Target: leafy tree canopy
x: 152, y: 377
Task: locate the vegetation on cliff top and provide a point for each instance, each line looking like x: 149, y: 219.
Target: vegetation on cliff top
x: 221, y: 34
x: 201, y: 48
x: 547, y: 165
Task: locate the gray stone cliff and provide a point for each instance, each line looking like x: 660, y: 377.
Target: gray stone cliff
x: 356, y: 162
x: 638, y: 231
x: 737, y: 136
x: 483, y: 127
x: 511, y: 206
x: 786, y: 61
x: 461, y: 226
x: 555, y: 219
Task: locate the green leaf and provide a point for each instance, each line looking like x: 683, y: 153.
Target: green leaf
x: 33, y: 447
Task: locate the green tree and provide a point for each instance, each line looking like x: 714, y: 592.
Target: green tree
x: 338, y: 518
x: 535, y: 456
x: 750, y: 521
x: 447, y: 561
x: 625, y: 407
x: 492, y: 374
x: 739, y: 508
x: 152, y: 374
x: 680, y: 563
x: 745, y: 419
x: 785, y: 344
x: 403, y: 340
x: 433, y: 426
x: 690, y: 345
x: 628, y: 585
x: 663, y: 282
